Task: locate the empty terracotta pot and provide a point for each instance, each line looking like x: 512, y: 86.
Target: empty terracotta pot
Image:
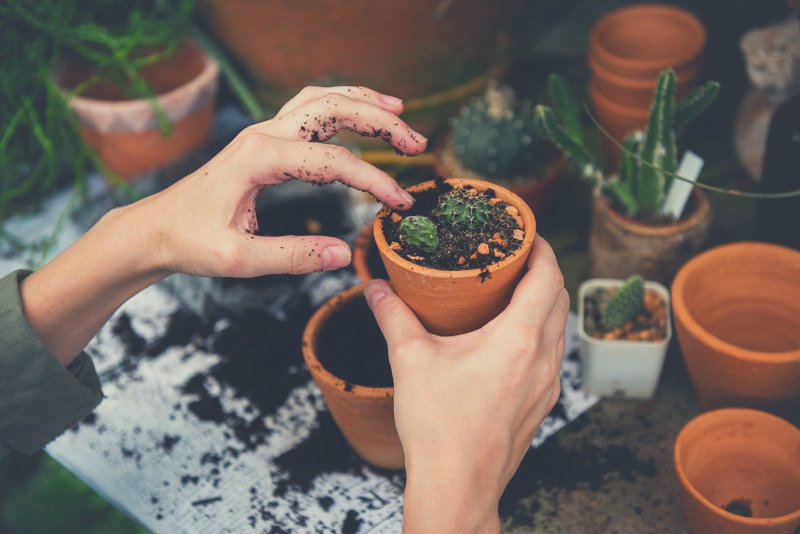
x: 620, y: 246
x: 125, y: 133
x: 639, y: 41
x: 454, y: 302
x: 739, y: 472
x: 737, y: 315
x: 365, y: 415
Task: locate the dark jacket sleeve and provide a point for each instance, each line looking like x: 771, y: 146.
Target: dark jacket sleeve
x: 39, y: 398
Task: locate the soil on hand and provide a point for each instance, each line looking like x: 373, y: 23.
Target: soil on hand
x: 351, y: 346
x: 458, y: 249
x: 650, y: 324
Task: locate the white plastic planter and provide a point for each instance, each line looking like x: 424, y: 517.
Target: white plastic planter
x: 621, y: 368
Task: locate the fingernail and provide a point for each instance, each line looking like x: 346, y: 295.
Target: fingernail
x: 407, y: 198
x: 335, y: 257
x: 374, y: 292
x: 391, y: 100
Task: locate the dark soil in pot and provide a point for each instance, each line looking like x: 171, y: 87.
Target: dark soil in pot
x: 351, y: 346
x: 458, y: 250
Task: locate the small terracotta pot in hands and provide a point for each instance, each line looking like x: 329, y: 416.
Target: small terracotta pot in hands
x: 737, y: 315
x: 364, y: 414
x: 739, y: 472
x: 448, y: 303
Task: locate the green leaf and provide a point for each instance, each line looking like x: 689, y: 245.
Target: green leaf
x: 565, y: 106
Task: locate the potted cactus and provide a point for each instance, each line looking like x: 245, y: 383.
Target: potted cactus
x: 494, y: 138
x: 632, y: 231
x: 456, y: 256
x: 625, y: 329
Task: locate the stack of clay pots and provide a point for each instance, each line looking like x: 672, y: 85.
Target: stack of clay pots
x: 628, y: 47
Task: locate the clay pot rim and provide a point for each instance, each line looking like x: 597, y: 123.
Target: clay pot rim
x: 702, y: 208
x: 205, y: 77
x: 501, y: 192
x: 309, y: 345
x: 723, y: 414
x: 695, y: 35
x: 680, y: 309
x: 360, y: 252
x: 615, y: 108
x: 616, y: 282
x: 685, y: 77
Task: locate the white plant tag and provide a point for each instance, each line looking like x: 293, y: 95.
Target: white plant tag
x: 679, y: 191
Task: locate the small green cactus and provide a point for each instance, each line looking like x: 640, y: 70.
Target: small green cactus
x: 649, y: 158
x: 624, y: 304
x: 419, y: 232
x: 494, y: 135
x: 466, y: 209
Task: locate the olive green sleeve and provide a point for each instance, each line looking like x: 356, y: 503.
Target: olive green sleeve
x: 39, y: 398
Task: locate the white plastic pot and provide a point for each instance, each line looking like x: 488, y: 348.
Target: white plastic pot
x: 621, y: 368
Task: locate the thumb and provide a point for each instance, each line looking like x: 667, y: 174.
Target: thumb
x: 394, y: 317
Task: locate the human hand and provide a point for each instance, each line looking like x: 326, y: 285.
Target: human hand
x: 467, y: 407
x: 208, y: 220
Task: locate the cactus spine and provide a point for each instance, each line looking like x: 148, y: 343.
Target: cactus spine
x: 420, y: 233
x: 624, y: 304
x: 649, y: 158
x: 466, y: 209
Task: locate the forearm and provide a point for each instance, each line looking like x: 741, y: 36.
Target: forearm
x: 68, y: 300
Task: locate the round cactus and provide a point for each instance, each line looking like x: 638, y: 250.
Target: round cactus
x: 494, y: 135
x: 466, y: 209
x: 419, y: 232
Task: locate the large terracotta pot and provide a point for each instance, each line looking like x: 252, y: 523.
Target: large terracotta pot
x: 125, y: 133
x: 432, y: 54
x: 454, y: 302
x: 620, y: 246
x: 732, y: 462
x: 536, y: 191
x: 365, y: 415
x: 367, y: 261
x: 737, y: 315
x: 639, y: 41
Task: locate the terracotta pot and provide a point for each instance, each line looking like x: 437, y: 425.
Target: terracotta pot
x: 743, y: 460
x: 367, y: 261
x: 737, y: 315
x: 620, y: 246
x: 636, y: 92
x: 454, y: 302
x: 639, y: 41
x: 427, y: 52
x: 536, y: 191
x: 365, y: 415
x: 125, y: 133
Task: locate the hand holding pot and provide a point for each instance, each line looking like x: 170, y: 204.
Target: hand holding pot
x: 468, y: 406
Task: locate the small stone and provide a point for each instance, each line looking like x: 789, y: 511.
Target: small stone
x: 416, y: 258
x: 498, y: 254
x: 511, y: 210
x: 462, y: 260
x: 396, y: 217
x: 394, y: 245
x: 519, y: 235
x: 474, y: 256
x: 483, y: 248
x: 494, y: 201
x: 520, y: 222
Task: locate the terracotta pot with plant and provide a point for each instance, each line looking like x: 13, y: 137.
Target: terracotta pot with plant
x: 493, y: 138
x: 347, y: 357
x: 634, y: 227
x: 456, y: 256
x: 739, y: 472
x: 625, y: 330
x: 737, y: 315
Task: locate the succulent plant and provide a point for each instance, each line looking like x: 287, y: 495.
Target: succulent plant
x: 649, y: 157
x: 494, y: 135
x: 466, y: 209
x: 624, y: 303
x: 420, y: 233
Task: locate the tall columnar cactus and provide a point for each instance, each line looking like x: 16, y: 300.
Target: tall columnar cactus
x: 494, y: 135
x: 466, y: 209
x: 649, y: 158
x: 420, y: 233
x: 624, y: 304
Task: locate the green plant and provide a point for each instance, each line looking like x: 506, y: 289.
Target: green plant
x: 420, y: 233
x: 648, y: 161
x: 494, y: 135
x: 466, y: 209
x: 624, y: 303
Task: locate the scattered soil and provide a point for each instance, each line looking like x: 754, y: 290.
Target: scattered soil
x: 352, y: 347
x: 649, y: 325
x: 740, y: 507
x: 458, y: 250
